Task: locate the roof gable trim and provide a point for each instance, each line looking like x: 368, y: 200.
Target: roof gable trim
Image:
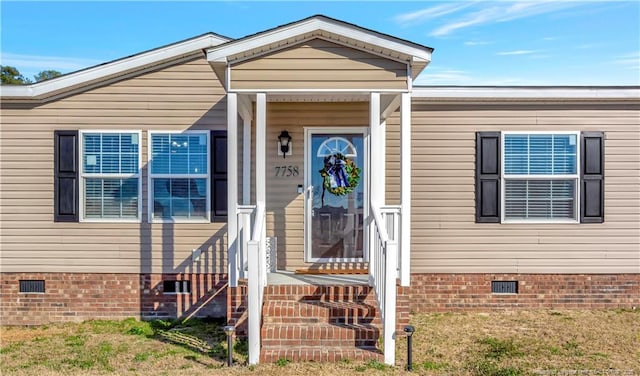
x: 319, y: 26
x: 117, y: 67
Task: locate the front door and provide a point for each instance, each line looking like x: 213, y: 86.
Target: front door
x: 336, y: 194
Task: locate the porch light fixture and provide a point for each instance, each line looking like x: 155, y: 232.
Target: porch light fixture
x: 284, y: 141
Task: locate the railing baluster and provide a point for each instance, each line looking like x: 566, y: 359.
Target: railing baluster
x: 385, y: 258
x: 256, y: 257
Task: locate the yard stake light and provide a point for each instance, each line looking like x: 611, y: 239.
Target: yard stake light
x: 229, y: 329
x: 409, y: 330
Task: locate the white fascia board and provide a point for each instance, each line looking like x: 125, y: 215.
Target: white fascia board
x: 461, y: 92
x: 220, y: 54
x: 113, y: 68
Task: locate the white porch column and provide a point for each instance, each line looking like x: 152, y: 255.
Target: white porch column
x: 377, y: 151
x: 405, y: 189
x: 374, y: 179
x: 261, y: 133
x: 232, y: 188
x: 261, y: 162
x: 246, y: 161
x: 381, y: 168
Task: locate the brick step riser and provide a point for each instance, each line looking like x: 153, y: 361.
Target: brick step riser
x: 319, y: 355
x: 330, y: 320
x: 274, y: 309
x: 369, y: 300
x: 319, y: 293
x: 319, y: 332
x: 277, y: 343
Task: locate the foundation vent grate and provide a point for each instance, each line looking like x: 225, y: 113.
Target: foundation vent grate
x: 504, y: 287
x: 32, y: 286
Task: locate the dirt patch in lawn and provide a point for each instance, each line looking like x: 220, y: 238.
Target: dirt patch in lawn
x: 603, y: 342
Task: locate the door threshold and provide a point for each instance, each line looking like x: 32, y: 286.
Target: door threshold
x: 331, y: 271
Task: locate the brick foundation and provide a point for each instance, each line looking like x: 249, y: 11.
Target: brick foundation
x: 78, y: 296
x: 472, y: 292
x: 82, y: 296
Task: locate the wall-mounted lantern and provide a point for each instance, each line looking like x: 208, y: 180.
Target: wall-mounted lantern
x: 284, y: 143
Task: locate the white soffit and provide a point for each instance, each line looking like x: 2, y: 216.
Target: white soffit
x: 435, y: 93
x: 113, y: 68
x: 319, y: 26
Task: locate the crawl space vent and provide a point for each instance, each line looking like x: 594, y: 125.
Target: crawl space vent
x: 504, y: 287
x: 32, y: 286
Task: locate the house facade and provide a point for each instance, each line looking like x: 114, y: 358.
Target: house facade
x: 176, y: 182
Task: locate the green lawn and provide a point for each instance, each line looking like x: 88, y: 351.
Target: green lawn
x: 602, y: 342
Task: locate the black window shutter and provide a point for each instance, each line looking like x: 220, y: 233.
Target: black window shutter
x: 218, y: 176
x: 66, y: 182
x: 592, y: 177
x: 488, y: 177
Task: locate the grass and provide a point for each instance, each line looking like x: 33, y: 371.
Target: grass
x: 473, y: 344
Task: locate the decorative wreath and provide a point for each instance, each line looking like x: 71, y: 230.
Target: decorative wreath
x: 340, y: 174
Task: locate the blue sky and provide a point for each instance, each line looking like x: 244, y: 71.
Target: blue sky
x: 476, y: 42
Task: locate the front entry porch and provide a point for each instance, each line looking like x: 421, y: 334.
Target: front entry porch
x: 365, y: 234
x: 318, y: 73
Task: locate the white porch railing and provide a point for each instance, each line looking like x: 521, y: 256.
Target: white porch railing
x: 392, y: 218
x: 383, y: 262
x: 257, y: 273
x: 239, y: 263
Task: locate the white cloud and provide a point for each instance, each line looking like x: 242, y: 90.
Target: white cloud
x: 440, y: 76
x: 31, y: 63
x: 429, y: 13
x: 516, y: 52
x: 488, y: 13
x: 476, y: 43
x: 629, y: 61
x: 455, y: 77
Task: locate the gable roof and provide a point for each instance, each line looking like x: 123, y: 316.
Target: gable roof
x: 113, y: 69
x: 323, y: 27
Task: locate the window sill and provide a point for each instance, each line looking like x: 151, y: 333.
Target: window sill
x: 540, y: 222
x: 110, y: 220
x: 162, y: 221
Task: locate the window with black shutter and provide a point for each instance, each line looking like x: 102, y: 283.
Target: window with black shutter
x: 592, y: 178
x: 488, y: 177
x: 531, y: 177
x: 218, y: 176
x: 66, y: 185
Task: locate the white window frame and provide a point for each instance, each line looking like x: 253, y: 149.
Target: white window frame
x: 575, y: 177
x: 151, y: 176
x: 84, y: 176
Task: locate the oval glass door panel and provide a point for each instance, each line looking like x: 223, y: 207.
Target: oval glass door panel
x: 337, y: 177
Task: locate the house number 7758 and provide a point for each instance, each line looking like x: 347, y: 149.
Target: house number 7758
x: 287, y: 171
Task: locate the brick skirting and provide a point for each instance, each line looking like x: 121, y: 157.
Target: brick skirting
x: 472, y: 292
x: 85, y: 296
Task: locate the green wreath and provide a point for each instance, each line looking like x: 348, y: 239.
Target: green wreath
x: 341, y: 169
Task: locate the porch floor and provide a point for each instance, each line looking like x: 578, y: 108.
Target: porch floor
x: 283, y: 277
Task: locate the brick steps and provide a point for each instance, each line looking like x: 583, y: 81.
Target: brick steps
x: 332, y: 293
x: 321, y: 334
x: 320, y: 354
x: 318, y: 312
x: 320, y: 323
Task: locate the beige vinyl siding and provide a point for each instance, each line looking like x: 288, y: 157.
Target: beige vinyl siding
x: 445, y: 237
x: 319, y: 64
x: 185, y: 96
x: 285, y: 207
